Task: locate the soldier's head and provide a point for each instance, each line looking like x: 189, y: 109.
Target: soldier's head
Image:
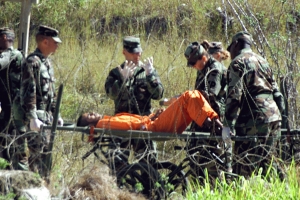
x: 89, y: 119
x: 196, y: 56
x: 216, y: 50
x: 132, y: 49
x: 7, y: 37
x: 239, y: 41
x: 47, y: 40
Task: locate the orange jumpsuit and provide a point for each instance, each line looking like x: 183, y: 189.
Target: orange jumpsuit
x: 190, y: 106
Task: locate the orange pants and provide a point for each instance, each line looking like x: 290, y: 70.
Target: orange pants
x: 190, y: 106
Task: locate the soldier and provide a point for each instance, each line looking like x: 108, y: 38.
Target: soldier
x: 133, y: 84
x: 211, y: 82
x: 38, y: 96
x: 216, y: 50
x: 250, y: 107
x: 11, y: 126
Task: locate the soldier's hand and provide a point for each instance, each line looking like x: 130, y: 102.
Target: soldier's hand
x: 148, y: 65
x: 218, y: 126
x: 226, y: 133
x: 35, y: 124
x: 60, y: 122
x: 128, y: 70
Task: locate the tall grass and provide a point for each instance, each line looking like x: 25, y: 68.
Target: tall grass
x: 255, y: 187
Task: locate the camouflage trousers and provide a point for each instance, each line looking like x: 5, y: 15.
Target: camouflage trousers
x: 251, y: 155
x: 38, y: 146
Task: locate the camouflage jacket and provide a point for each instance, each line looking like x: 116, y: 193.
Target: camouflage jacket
x: 11, y: 61
x: 37, y: 88
x: 250, y: 91
x: 133, y: 96
x: 212, y: 83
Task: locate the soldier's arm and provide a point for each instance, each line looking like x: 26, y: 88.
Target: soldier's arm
x: 113, y: 84
x: 54, y: 100
x: 154, y: 85
x: 15, y: 72
x: 277, y: 95
x: 234, y: 94
x: 214, y: 78
x: 29, y: 75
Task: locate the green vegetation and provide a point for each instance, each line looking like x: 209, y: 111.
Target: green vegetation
x: 3, y: 163
x: 8, y: 196
x: 92, y: 32
x: 254, y: 188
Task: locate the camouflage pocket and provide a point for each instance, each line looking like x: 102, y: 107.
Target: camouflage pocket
x: 268, y: 109
x: 45, y: 81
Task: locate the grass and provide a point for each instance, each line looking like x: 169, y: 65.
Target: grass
x: 254, y: 188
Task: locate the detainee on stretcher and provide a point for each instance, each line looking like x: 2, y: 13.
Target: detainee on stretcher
x: 191, y: 105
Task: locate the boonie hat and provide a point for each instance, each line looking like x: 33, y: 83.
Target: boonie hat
x: 50, y: 32
x: 193, y: 52
x: 243, y: 35
x: 132, y: 44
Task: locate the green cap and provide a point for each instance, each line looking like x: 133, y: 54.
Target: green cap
x: 215, y: 47
x: 50, y: 32
x: 132, y: 44
x: 242, y: 35
x: 7, y: 31
x: 193, y: 52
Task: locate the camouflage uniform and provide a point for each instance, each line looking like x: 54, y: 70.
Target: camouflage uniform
x: 11, y: 61
x: 211, y: 81
x: 135, y: 93
x: 134, y: 96
x: 38, y: 99
x: 251, y: 109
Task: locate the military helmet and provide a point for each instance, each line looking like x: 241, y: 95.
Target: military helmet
x: 193, y: 53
